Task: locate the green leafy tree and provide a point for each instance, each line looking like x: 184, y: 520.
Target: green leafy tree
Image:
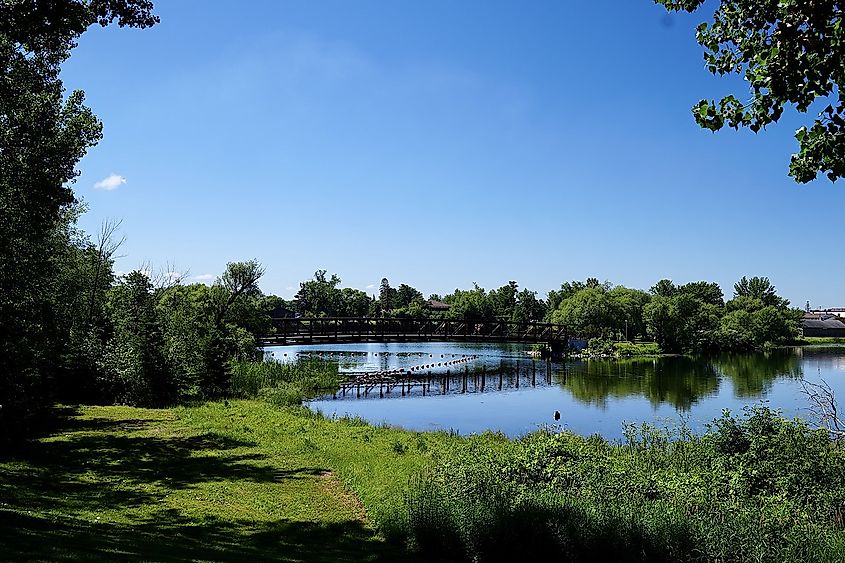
x: 319, y: 297
x: 133, y: 366
x: 469, y: 305
x: 387, y: 297
x: 588, y: 313
x: 185, y: 315
x: 681, y: 322
x: 405, y: 295
x: 237, y: 320
x: 707, y: 292
x: 790, y: 53
x: 528, y: 307
x: 205, y: 328
x: 79, y: 291
x: 759, y: 288
x: 628, y: 305
x: 43, y: 135
x: 568, y: 289
x: 503, y: 300
x: 757, y: 315
x: 353, y: 303
x: 664, y: 288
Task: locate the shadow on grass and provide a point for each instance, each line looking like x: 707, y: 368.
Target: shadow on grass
x: 96, y: 463
x: 172, y: 538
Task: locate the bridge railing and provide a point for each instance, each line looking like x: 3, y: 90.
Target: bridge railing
x: 377, y: 327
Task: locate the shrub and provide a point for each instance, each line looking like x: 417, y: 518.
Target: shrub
x: 756, y: 487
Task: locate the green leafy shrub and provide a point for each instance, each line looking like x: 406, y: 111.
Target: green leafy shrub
x: 755, y: 487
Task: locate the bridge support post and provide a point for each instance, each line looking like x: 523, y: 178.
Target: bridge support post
x: 554, y: 349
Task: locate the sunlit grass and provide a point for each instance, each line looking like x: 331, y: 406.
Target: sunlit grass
x: 243, y: 481
x: 246, y: 479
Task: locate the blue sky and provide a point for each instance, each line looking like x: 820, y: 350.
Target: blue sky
x: 441, y: 143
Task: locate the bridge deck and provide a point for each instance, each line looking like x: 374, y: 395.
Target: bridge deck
x: 344, y: 329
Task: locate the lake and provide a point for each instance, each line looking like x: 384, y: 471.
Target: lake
x: 478, y: 387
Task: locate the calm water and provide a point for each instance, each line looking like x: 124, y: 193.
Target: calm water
x: 505, y: 390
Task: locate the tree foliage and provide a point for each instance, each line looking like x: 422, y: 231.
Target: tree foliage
x: 790, y: 52
x: 43, y: 135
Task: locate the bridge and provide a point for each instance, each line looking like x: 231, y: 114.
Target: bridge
x: 325, y: 330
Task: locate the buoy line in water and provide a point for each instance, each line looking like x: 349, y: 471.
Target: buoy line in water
x: 381, y: 375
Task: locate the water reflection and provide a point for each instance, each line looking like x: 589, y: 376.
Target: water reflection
x: 753, y: 375
x: 681, y: 382
x: 504, y: 389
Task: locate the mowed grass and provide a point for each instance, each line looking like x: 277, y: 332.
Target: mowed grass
x: 221, y: 481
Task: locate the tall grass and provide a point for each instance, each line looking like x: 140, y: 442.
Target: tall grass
x: 757, y: 488
x: 283, y: 383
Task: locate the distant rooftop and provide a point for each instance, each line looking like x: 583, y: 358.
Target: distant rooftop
x: 437, y: 305
x: 823, y: 324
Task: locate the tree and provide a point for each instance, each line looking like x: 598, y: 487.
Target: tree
x: 503, y: 300
x: 707, y: 292
x: 237, y: 321
x: 681, y: 322
x: 43, y: 135
x: 589, y: 313
x: 133, y: 364
x: 185, y: 315
x: 528, y: 307
x: 387, y: 297
x: 405, y: 295
x: 319, y: 297
x: 664, y: 288
x: 628, y: 305
x: 471, y: 305
x: 353, y: 303
x: 759, y: 288
x: 790, y: 53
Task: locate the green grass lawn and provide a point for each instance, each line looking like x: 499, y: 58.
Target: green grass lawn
x: 238, y: 481
x: 816, y: 340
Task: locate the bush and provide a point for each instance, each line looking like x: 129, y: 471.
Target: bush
x: 756, y: 487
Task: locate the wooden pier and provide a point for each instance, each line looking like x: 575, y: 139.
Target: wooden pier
x: 405, y: 382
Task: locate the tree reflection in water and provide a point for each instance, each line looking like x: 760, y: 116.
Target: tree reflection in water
x: 678, y: 381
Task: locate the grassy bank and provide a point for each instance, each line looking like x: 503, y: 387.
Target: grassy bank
x: 816, y: 341
x: 247, y: 481
x: 250, y: 480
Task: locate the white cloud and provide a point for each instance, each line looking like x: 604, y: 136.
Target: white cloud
x: 371, y: 286
x: 110, y: 183
x: 204, y: 277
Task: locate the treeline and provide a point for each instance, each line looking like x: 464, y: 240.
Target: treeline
x: 138, y: 339
x: 323, y: 297
x: 692, y: 317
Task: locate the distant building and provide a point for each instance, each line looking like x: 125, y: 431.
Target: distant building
x: 833, y: 311
x: 830, y: 326
x: 435, y: 305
